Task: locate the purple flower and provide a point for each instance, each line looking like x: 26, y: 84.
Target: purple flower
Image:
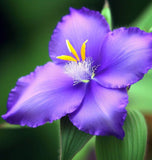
x: 87, y: 81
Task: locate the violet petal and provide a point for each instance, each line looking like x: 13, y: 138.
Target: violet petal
x: 77, y: 27
x: 44, y: 95
x: 126, y: 57
x: 102, y: 111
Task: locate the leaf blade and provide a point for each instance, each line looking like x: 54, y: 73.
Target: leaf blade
x: 106, y: 12
x: 131, y: 147
x: 72, y: 139
x: 144, y: 20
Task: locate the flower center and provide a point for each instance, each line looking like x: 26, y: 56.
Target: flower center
x: 80, y: 71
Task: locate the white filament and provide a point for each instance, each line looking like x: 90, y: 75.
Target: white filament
x: 80, y: 71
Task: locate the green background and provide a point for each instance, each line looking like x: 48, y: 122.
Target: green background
x: 25, y: 30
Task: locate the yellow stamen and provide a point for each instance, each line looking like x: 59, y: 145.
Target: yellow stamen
x: 72, y: 50
x: 66, y: 58
x: 83, y: 47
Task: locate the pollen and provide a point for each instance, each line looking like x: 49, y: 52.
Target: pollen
x: 66, y: 58
x: 74, y: 53
x: 83, y: 50
x: 72, y: 50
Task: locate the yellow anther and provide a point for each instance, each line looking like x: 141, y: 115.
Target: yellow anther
x: 66, y: 58
x: 83, y: 50
x: 72, y: 50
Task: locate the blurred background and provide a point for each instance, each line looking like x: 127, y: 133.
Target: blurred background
x: 25, y: 30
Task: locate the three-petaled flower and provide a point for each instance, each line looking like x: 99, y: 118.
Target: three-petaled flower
x: 88, y: 78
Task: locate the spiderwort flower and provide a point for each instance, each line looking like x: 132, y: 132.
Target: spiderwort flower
x: 87, y: 80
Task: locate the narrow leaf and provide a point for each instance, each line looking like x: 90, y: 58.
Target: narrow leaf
x: 72, y: 139
x: 144, y: 21
x: 9, y: 126
x: 140, y: 94
x: 106, y: 12
x: 150, y: 29
x: 132, y: 147
x: 87, y: 152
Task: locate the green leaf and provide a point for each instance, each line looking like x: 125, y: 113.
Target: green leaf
x: 86, y: 151
x: 106, y: 12
x: 72, y: 139
x: 9, y: 126
x: 140, y: 94
x: 144, y: 21
x: 132, y: 147
x: 150, y: 29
